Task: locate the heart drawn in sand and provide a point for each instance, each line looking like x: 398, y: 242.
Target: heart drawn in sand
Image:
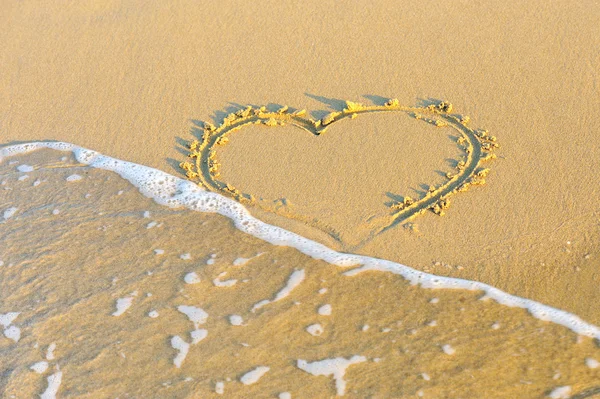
x: 477, y: 145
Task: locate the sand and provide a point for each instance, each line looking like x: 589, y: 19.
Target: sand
x: 133, y: 80
x: 87, y: 280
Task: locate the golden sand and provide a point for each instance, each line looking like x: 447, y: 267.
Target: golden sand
x: 132, y: 80
x: 65, y: 272
x: 128, y: 79
x: 477, y: 147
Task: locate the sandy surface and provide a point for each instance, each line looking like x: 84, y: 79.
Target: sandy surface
x: 75, y: 250
x: 129, y: 79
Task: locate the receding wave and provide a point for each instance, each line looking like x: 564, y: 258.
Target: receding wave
x: 241, y: 316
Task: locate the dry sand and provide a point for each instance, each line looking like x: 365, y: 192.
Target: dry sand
x: 130, y: 80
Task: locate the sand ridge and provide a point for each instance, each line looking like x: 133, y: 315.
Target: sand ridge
x: 478, y: 146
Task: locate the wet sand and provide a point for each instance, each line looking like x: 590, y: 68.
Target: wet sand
x: 75, y: 247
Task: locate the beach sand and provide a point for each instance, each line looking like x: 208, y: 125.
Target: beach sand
x: 110, y: 279
x: 134, y: 80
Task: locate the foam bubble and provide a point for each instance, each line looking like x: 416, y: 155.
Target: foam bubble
x: 563, y: 392
x: 294, y: 280
x: 182, y: 349
x: 171, y: 191
x: 191, y: 278
x: 7, y: 318
x: 315, y: 329
x: 224, y: 283
x: 241, y: 261
x: 219, y: 387
x: 198, y: 335
x: 25, y: 168
x: 54, y: 382
x: 253, y: 376
x: 122, y: 305
x: 325, y: 310
x: 335, y: 368
x: 196, y: 315
x: 39, y: 367
x: 448, y: 350
x: 50, y: 351
x: 592, y: 363
x: 236, y: 320
x: 74, y: 177
x: 13, y: 332
x: 9, y: 212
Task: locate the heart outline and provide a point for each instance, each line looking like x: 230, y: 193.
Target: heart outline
x: 477, y: 143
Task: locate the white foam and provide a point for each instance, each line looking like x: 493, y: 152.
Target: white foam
x: 315, y: 329
x: 187, y: 256
x: 7, y: 318
x: 13, y: 332
x: 10, y: 212
x: 448, y: 350
x: 335, y: 367
x: 153, y: 314
x: 294, y: 280
x: 285, y: 395
x: 325, y: 310
x: 241, y: 261
x: 191, y: 278
x: 53, y: 385
x: 151, y: 225
x: 39, y: 367
x: 426, y: 376
x: 196, y: 315
x: 25, y: 168
x: 219, y: 387
x: 159, y: 251
x: 226, y: 283
x: 22, y: 178
x: 74, y: 177
x: 50, y: 351
x: 563, y: 392
x: 236, y: 320
x: 182, y: 349
x: 172, y: 191
x: 322, y: 291
x: 198, y: 335
x: 592, y: 363
x: 122, y: 305
x: 253, y: 376
x: 146, y: 214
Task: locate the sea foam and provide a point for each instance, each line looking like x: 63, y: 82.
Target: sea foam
x: 172, y: 191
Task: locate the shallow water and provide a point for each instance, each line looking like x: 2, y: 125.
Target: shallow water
x: 104, y: 273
